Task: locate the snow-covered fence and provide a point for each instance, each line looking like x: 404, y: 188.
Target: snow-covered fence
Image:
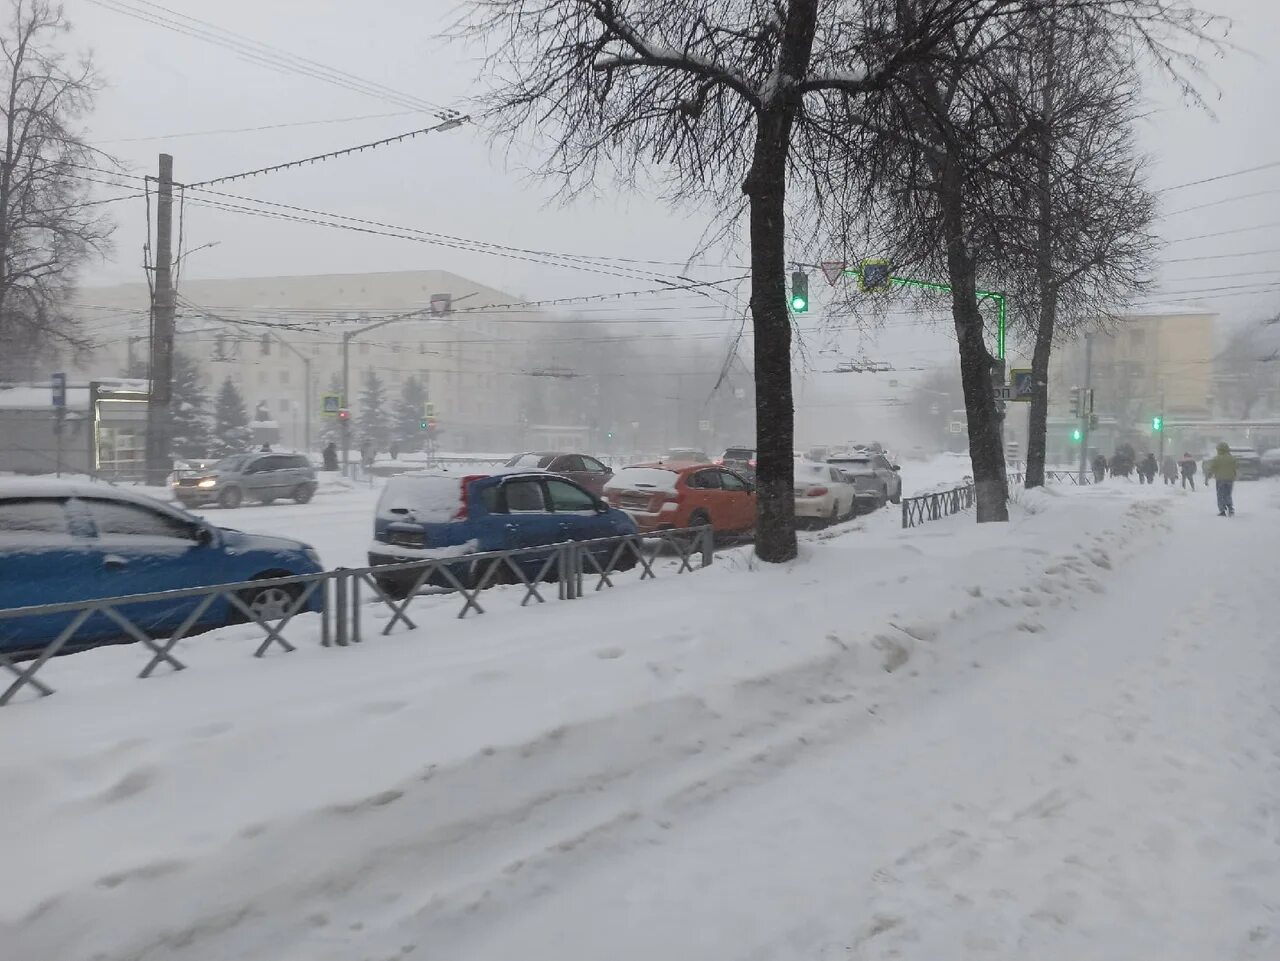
x: 570, y: 565
x: 161, y: 619
x: 932, y: 507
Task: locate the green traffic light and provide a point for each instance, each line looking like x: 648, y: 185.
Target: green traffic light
x: 1077, y: 435
x: 422, y: 424
x: 799, y: 304
x: 1157, y: 423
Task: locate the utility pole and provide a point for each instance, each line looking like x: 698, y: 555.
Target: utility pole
x: 159, y: 426
x: 1161, y: 430
x: 1086, y: 415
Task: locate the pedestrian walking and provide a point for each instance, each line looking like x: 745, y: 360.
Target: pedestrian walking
x: 1169, y: 469
x: 330, y: 456
x: 367, y: 454
x: 1147, y: 468
x: 394, y: 450
x: 1099, y: 468
x: 1223, y: 470
x: 1188, y: 467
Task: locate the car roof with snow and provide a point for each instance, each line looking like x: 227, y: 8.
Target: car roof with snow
x: 57, y: 487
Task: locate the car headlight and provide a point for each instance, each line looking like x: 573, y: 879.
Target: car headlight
x: 207, y: 482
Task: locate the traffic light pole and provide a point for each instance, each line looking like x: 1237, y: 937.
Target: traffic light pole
x: 1086, y: 415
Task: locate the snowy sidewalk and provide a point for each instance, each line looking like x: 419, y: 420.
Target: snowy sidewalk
x: 1051, y: 739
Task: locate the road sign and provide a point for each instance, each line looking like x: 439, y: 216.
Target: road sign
x: 1022, y: 382
x: 59, y: 385
x: 833, y: 270
x: 440, y: 305
x: 873, y: 275
x: 704, y: 425
x: 330, y: 404
x: 957, y: 427
x: 935, y: 410
x: 1002, y: 392
x: 429, y: 409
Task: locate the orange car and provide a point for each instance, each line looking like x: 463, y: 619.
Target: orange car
x: 665, y: 496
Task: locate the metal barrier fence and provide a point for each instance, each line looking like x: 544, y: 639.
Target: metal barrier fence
x: 1069, y: 477
x: 931, y: 507
x: 336, y: 595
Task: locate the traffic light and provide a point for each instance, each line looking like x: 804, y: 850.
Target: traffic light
x: 1076, y: 435
x: 799, y: 291
x: 1157, y: 423
x: 422, y: 424
x: 609, y: 435
x: 344, y: 414
x: 1076, y: 397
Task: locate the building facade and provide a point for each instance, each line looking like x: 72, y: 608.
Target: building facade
x: 1156, y: 361
x: 281, y: 341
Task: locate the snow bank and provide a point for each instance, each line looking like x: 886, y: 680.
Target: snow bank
x: 423, y: 788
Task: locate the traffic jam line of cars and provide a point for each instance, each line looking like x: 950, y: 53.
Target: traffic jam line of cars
x: 68, y: 541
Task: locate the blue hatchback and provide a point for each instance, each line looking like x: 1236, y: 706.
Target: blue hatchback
x: 432, y: 515
x: 66, y: 541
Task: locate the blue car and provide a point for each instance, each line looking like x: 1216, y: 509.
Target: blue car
x: 434, y: 515
x: 66, y: 541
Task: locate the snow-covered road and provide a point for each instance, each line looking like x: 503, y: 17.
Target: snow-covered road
x: 1053, y: 739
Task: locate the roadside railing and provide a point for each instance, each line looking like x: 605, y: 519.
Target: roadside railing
x: 1069, y: 477
x: 932, y: 507
x: 337, y: 595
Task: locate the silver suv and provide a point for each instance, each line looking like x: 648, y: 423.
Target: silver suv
x: 261, y: 476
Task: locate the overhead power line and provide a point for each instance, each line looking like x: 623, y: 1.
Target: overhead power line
x: 270, y: 126
x: 441, y: 127
x: 1226, y: 176
x: 266, y: 55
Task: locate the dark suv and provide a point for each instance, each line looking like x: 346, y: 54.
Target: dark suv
x: 741, y: 459
x: 261, y: 476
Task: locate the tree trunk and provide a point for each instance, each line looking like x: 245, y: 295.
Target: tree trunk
x: 765, y: 187
x: 986, y: 443
x: 1038, y: 417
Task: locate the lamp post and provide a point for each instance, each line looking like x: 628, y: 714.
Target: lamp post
x: 347, y: 337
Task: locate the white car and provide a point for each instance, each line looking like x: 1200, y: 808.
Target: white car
x: 823, y: 493
x: 877, y: 481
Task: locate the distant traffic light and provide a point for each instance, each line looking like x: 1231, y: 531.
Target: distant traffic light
x: 423, y: 424
x: 1076, y: 398
x: 344, y: 414
x: 799, y: 291
x: 609, y: 435
x: 1157, y: 423
x: 1077, y: 435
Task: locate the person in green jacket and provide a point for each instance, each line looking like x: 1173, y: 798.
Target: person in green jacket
x: 1222, y: 469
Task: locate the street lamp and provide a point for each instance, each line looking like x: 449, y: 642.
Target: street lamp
x: 347, y: 337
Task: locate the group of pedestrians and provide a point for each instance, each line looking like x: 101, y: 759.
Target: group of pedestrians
x: 1222, y: 469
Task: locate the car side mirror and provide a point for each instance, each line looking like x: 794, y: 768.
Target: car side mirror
x: 897, y: 467
x: 204, y: 536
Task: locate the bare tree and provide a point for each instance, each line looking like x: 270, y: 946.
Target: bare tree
x: 945, y: 150
x: 1246, y: 376
x: 47, y: 230
x: 713, y: 97
x: 1080, y: 216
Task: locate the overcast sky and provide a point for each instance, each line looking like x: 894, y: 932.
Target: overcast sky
x: 162, y: 84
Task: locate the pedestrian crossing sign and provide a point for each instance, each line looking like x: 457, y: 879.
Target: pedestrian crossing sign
x: 330, y: 404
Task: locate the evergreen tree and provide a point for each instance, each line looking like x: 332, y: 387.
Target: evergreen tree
x: 189, y: 410
x: 406, y: 422
x: 372, y: 420
x: 230, y: 421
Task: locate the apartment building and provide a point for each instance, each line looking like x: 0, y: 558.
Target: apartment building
x: 281, y: 341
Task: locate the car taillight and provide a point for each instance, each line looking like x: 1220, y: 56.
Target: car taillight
x: 462, y: 512
x: 751, y: 463
x: 815, y: 492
